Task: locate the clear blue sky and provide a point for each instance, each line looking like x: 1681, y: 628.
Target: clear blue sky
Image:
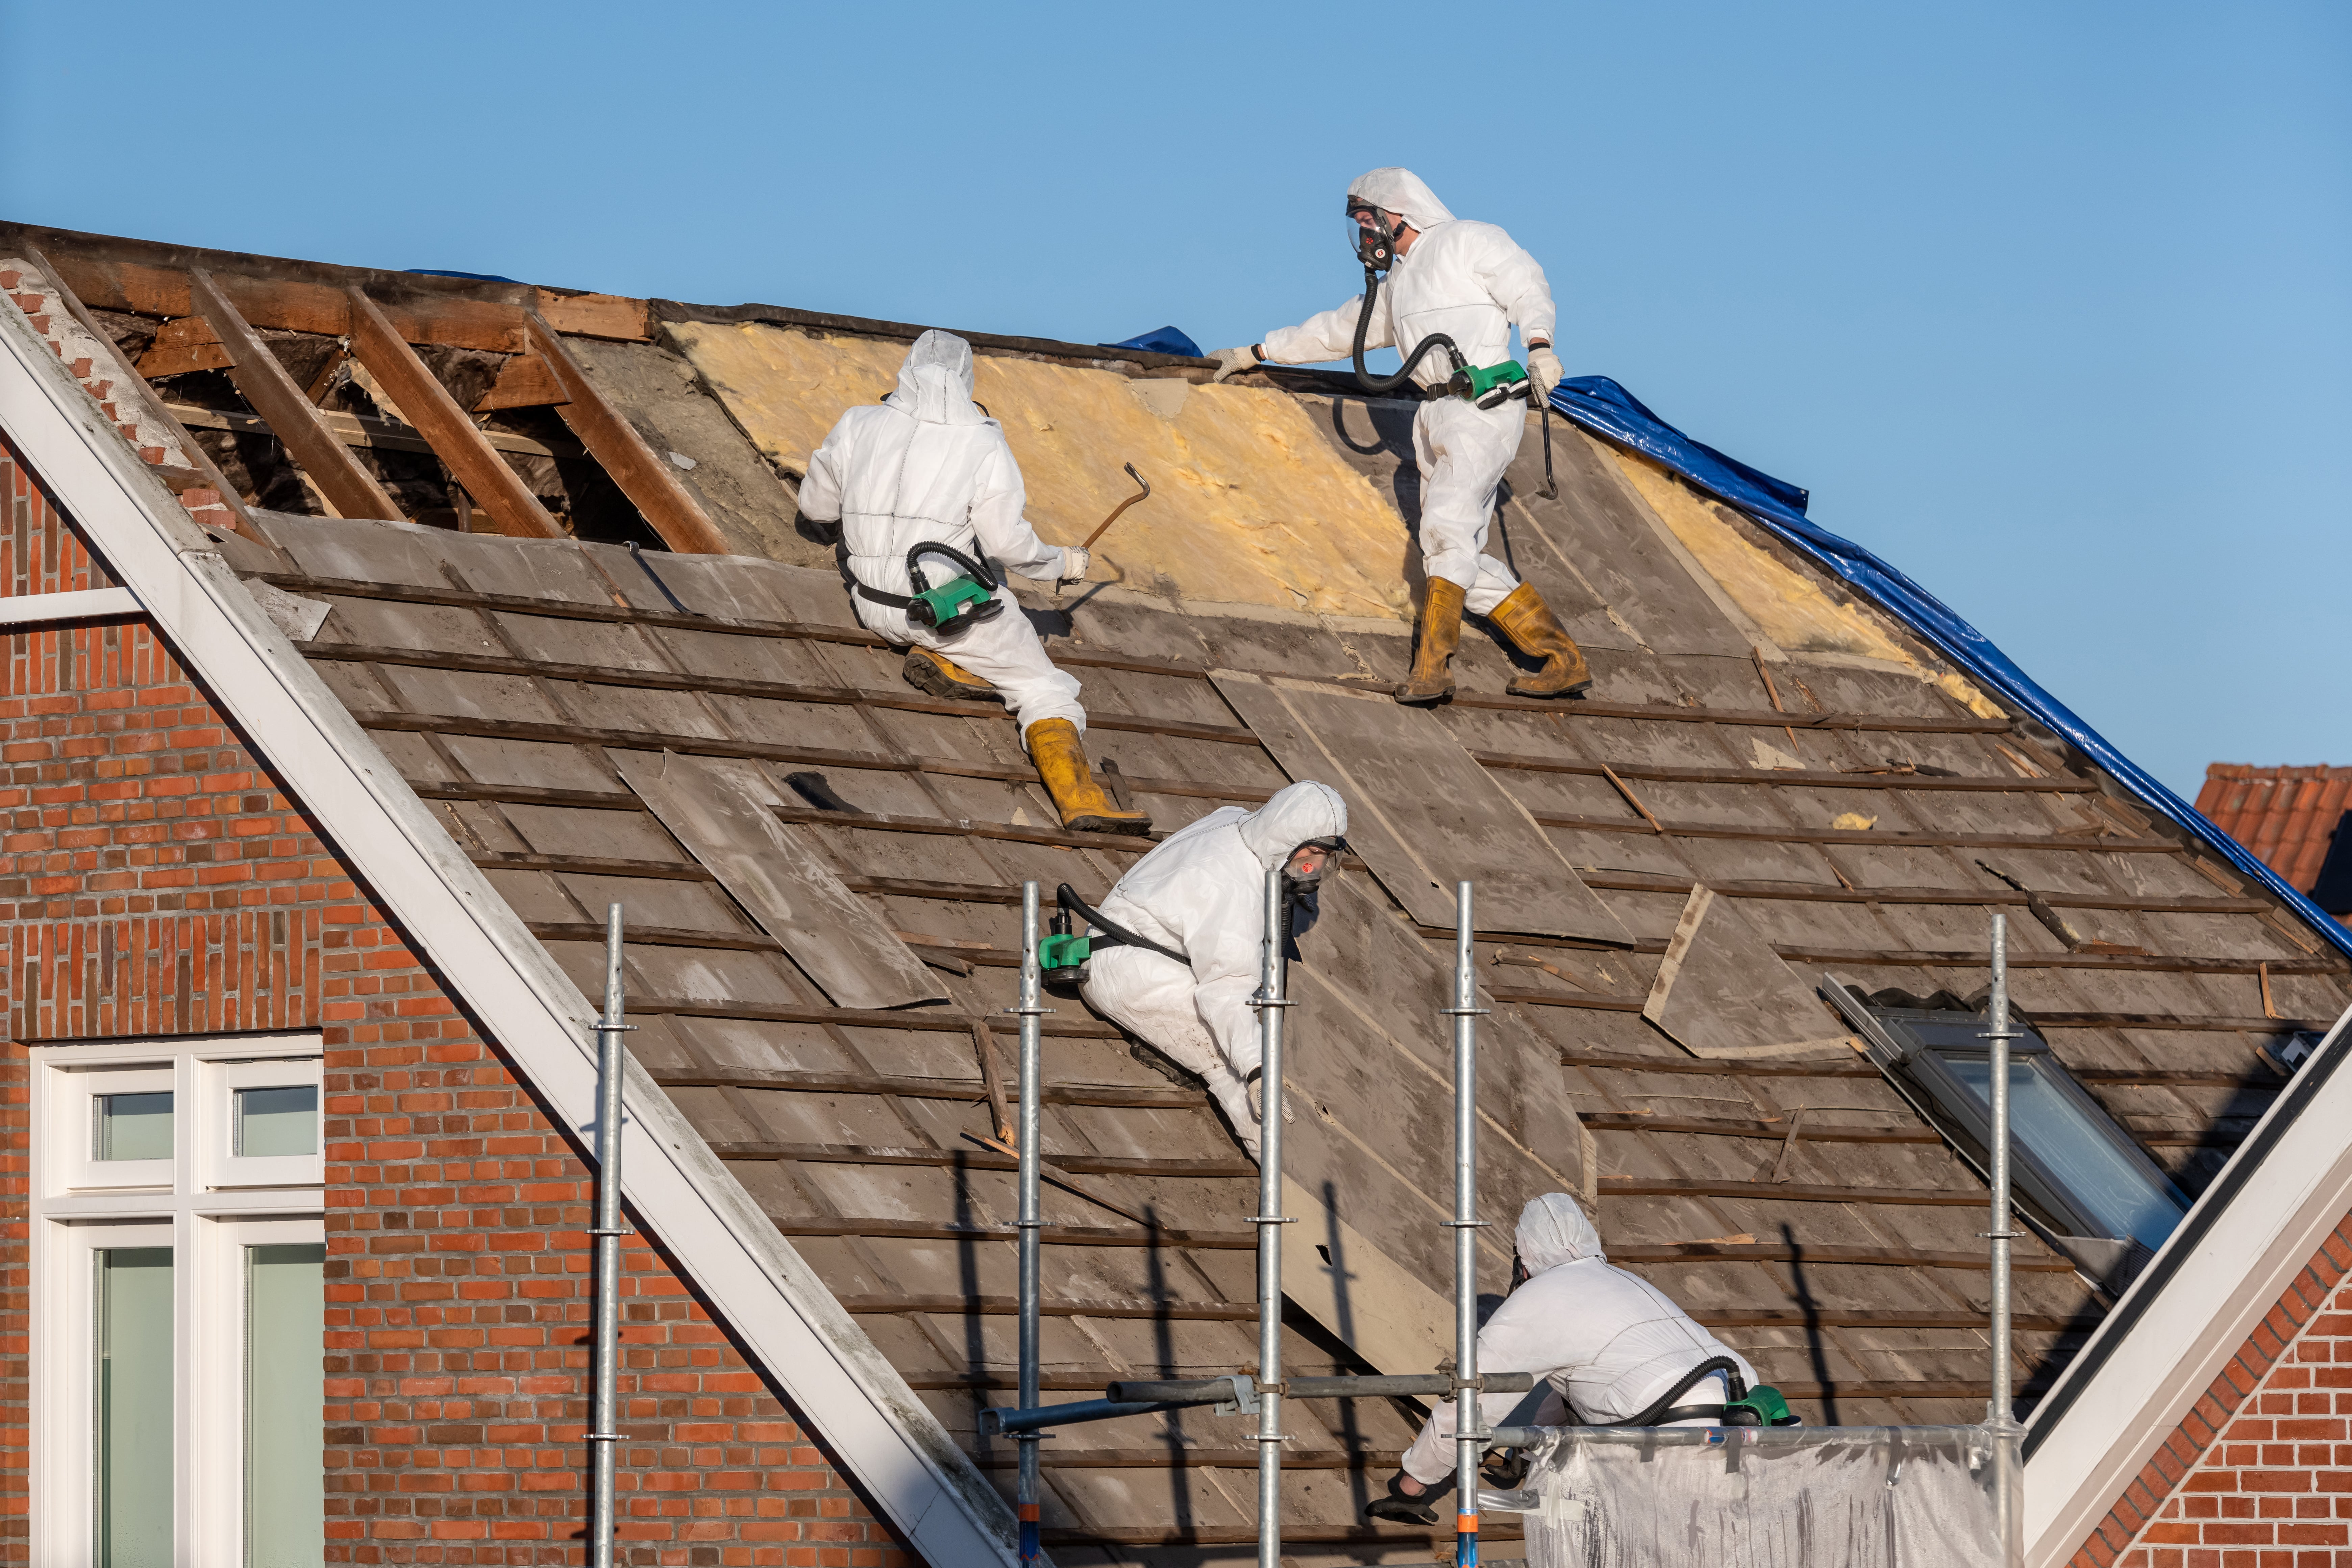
x: 2050, y: 304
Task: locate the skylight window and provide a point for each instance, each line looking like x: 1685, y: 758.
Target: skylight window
x: 2085, y: 1174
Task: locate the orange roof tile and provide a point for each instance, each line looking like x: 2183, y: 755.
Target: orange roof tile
x: 2286, y: 815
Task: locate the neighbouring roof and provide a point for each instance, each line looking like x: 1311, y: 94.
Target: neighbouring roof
x: 1772, y: 777
x: 2287, y: 815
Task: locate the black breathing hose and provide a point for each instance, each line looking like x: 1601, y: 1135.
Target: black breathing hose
x: 1377, y: 385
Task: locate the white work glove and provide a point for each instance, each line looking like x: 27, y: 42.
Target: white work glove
x: 1232, y: 362
x: 1075, y: 562
x: 1543, y: 369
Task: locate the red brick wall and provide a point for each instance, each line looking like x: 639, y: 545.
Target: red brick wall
x: 154, y: 880
x: 2260, y: 1472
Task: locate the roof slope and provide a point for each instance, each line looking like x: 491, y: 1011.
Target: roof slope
x: 2287, y: 815
x: 1764, y: 760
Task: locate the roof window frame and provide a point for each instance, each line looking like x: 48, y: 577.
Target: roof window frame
x: 1918, y: 1069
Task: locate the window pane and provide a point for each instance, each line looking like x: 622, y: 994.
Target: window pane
x: 285, y: 1395
x: 271, y: 1121
x: 134, y: 1405
x: 2122, y: 1194
x: 134, y: 1126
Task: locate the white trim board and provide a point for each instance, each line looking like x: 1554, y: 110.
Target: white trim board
x: 803, y: 1342
x: 2286, y: 1189
x: 74, y: 605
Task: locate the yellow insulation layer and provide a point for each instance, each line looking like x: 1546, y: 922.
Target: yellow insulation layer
x: 1250, y: 502
x: 1795, y: 610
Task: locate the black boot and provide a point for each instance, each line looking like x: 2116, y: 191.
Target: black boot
x: 1397, y: 1508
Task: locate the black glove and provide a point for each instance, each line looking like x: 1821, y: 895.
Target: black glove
x: 815, y: 532
x: 1400, y: 1508
x: 1504, y: 1470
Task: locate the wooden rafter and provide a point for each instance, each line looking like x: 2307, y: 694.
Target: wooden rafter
x: 207, y: 472
x: 497, y: 488
x: 525, y: 382
x: 348, y: 486
x: 647, y: 480
x: 187, y: 345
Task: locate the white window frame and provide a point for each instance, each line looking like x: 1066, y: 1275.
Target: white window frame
x: 208, y: 1207
x: 219, y: 1164
x: 73, y: 1123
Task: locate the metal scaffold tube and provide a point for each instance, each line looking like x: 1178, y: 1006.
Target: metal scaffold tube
x: 1469, y: 1441
x: 1269, y: 1220
x: 2001, y: 1413
x: 1030, y: 1224
x: 604, y: 1414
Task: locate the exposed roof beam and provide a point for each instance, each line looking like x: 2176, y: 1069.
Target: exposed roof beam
x: 497, y: 488
x: 525, y: 382
x: 357, y: 430
x: 129, y: 385
x: 650, y: 482
x: 348, y: 486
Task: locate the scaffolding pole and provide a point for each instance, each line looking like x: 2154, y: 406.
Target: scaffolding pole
x: 1269, y: 1220
x: 2001, y: 1413
x: 604, y: 1414
x: 1469, y: 1441
x: 1029, y: 1224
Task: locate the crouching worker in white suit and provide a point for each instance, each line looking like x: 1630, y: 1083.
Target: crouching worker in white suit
x: 1615, y: 1350
x: 1198, y: 900
x: 925, y: 466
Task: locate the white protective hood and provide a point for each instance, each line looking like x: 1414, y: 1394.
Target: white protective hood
x: 1296, y: 813
x: 1553, y: 1230
x: 935, y: 382
x: 1400, y: 191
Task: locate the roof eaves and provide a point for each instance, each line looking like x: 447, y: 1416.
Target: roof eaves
x: 2284, y: 1190
x: 802, y: 1337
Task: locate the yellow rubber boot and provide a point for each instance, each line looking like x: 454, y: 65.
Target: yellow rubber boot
x: 934, y: 673
x: 1086, y: 806
x: 1528, y: 622
x: 1433, y: 651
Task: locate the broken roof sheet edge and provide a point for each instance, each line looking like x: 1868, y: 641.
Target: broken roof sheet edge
x: 1608, y: 410
x: 787, y: 1320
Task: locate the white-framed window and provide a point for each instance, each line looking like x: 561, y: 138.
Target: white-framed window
x: 178, y: 1252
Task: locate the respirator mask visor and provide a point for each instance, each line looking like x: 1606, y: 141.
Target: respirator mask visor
x: 1373, y: 235
x: 1306, y: 865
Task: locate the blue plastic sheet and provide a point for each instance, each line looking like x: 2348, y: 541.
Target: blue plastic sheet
x: 1607, y: 409
x: 1161, y: 341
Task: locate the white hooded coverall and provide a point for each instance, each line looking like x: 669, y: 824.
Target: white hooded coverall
x: 926, y: 464
x: 1201, y: 892
x: 1608, y: 1343
x: 1471, y: 281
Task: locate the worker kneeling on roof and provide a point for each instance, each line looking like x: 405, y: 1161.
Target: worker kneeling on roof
x: 1459, y: 286
x: 1186, y: 933
x: 930, y: 504
x: 1614, y: 1349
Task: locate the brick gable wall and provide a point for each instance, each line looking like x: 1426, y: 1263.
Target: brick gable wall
x: 154, y: 880
x: 2259, y: 1473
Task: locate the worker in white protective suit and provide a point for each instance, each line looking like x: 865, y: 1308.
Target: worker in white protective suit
x: 1613, y: 1348
x: 1197, y: 902
x: 1472, y: 282
x: 925, y: 466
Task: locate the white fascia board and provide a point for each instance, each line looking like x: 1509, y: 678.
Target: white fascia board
x: 805, y: 1341
x: 2275, y: 1203
x: 76, y: 605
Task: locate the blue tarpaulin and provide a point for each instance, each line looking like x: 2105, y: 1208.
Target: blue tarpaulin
x: 1607, y: 409
x: 1161, y: 341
